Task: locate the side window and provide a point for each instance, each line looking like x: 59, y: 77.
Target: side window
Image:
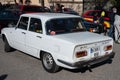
x: 35, y: 25
x: 23, y: 23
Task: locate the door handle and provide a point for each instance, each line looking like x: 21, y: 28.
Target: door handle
x: 23, y: 33
x: 39, y: 36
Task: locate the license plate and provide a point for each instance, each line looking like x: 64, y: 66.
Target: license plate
x: 95, y: 51
x: 96, y: 54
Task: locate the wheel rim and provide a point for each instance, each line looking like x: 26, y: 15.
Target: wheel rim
x: 48, y: 61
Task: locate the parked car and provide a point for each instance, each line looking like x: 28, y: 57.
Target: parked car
x: 7, y: 18
x: 59, y: 40
x: 21, y: 9
x: 89, y: 14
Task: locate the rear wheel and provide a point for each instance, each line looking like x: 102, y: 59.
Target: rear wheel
x: 7, y: 47
x: 49, y: 63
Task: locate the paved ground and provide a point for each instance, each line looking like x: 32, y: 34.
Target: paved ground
x: 19, y: 66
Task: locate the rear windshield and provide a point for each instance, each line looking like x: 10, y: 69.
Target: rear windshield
x: 64, y: 25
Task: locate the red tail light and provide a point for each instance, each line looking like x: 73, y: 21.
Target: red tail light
x: 109, y: 47
x: 81, y: 54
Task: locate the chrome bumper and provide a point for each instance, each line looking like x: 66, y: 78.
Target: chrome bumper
x: 89, y: 62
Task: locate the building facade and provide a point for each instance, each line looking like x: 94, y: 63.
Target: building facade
x: 6, y: 1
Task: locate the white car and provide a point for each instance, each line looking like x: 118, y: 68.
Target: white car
x: 59, y: 40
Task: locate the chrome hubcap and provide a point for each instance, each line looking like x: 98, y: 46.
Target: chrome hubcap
x: 48, y: 61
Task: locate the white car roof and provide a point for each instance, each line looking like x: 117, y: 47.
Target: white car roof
x: 49, y: 15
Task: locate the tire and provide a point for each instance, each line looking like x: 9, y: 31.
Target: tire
x: 7, y: 47
x: 49, y: 63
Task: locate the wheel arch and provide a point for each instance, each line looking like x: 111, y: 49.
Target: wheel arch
x: 42, y: 52
x: 51, y: 53
x: 55, y: 67
x: 3, y: 37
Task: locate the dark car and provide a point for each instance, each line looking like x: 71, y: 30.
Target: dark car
x: 70, y: 11
x: 21, y: 9
x: 8, y: 18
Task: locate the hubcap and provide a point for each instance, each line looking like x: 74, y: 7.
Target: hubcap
x: 48, y: 61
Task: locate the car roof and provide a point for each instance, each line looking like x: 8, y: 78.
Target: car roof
x: 49, y: 15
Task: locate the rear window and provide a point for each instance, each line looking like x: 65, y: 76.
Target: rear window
x: 64, y: 25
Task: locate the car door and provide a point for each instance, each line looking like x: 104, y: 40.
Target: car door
x: 34, y: 37
x: 20, y: 34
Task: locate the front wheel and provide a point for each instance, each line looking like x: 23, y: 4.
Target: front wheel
x: 49, y: 63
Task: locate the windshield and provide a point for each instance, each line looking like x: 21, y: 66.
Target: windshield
x: 64, y: 25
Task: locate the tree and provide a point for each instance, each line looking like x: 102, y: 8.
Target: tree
x: 115, y: 2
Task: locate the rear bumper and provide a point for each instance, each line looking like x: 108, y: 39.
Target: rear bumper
x: 88, y: 62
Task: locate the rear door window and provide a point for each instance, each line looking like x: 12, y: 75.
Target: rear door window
x: 35, y: 25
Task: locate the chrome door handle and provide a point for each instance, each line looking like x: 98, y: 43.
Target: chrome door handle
x: 23, y: 33
x: 39, y: 36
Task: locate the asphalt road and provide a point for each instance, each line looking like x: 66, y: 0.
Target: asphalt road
x: 19, y: 66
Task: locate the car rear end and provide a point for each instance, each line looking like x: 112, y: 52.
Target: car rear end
x: 90, y: 54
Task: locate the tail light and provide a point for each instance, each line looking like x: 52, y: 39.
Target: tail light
x: 108, y: 47
x: 81, y: 54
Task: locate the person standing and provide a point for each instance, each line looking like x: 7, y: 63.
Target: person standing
x: 102, y: 28
x: 117, y: 28
x: 112, y: 19
x: 57, y: 8
x: 95, y: 18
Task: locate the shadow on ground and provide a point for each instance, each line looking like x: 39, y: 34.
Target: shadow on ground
x: 84, y: 69
x: 3, y: 77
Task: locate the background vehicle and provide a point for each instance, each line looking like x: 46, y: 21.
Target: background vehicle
x: 88, y: 15
x: 11, y: 14
x: 29, y: 9
x: 8, y: 18
x: 90, y: 26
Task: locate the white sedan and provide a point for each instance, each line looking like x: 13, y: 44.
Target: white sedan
x: 59, y: 40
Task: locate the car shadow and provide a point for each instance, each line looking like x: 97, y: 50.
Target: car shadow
x: 89, y: 68
x: 3, y: 77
